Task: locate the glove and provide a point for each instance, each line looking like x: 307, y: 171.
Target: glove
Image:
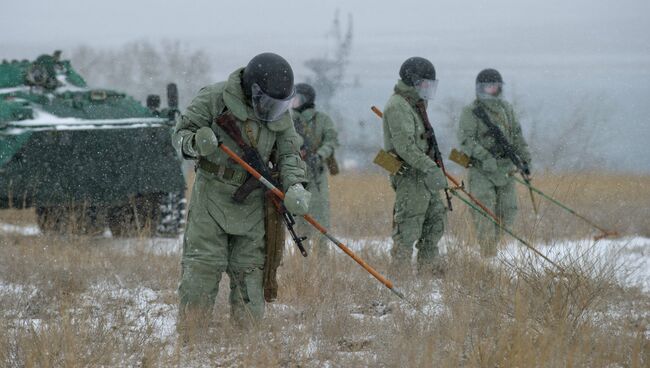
x: 206, y: 141
x: 489, y: 165
x: 296, y: 199
x: 526, y: 168
x: 435, y: 180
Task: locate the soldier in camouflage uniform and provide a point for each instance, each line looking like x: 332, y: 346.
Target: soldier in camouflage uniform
x: 489, y: 175
x: 419, y: 212
x: 319, y: 140
x: 221, y: 235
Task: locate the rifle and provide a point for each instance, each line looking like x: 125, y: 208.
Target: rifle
x: 278, y: 193
x: 252, y: 157
x: 289, y: 222
x: 503, y: 148
x: 434, y: 151
x: 308, y: 154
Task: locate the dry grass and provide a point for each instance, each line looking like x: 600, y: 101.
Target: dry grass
x: 619, y: 202
x: 82, y: 302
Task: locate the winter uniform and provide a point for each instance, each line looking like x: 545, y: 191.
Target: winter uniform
x: 419, y: 212
x: 489, y: 176
x: 222, y: 235
x: 318, y: 137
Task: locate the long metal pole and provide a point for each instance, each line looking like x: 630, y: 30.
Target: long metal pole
x: 605, y: 232
x: 277, y: 192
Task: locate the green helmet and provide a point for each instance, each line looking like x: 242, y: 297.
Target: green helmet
x: 489, y: 84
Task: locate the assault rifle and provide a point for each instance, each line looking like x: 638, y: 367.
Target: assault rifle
x: 307, y: 153
x: 503, y: 148
x: 252, y: 157
x: 434, y: 150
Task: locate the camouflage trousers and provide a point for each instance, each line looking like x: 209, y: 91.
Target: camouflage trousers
x: 501, y: 200
x: 209, y: 251
x: 419, y: 215
x: 319, y: 209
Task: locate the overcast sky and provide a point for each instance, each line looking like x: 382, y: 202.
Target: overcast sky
x: 552, y: 25
x: 552, y: 52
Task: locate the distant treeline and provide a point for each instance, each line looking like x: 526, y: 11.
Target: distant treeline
x: 141, y: 68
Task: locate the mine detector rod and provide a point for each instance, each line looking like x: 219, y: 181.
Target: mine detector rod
x: 482, y: 209
x: 278, y: 193
x: 605, y: 233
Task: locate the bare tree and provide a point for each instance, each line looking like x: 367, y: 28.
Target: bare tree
x: 329, y: 72
x: 141, y: 68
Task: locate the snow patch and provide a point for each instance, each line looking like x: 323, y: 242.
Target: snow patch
x: 21, y: 230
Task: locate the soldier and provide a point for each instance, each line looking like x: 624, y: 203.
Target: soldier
x: 319, y: 140
x: 489, y: 174
x: 223, y: 235
x: 419, y: 213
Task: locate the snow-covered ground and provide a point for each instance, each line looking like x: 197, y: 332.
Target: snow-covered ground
x: 144, y: 308
x: 629, y: 255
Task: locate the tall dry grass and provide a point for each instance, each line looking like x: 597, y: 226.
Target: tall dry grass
x: 79, y: 301
x: 362, y: 205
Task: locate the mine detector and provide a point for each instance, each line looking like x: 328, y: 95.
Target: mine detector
x: 87, y: 159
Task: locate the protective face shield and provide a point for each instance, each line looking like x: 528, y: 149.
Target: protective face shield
x: 267, y: 108
x: 298, y: 100
x: 489, y: 90
x: 426, y: 88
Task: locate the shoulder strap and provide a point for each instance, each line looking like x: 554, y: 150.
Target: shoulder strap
x: 227, y: 122
x: 429, y: 134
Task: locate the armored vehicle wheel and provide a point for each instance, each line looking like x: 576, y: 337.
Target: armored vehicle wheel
x: 76, y: 220
x: 138, y: 217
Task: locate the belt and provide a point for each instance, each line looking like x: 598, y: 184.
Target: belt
x: 223, y: 172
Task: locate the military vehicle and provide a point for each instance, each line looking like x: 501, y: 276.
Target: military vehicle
x: 84, y: 158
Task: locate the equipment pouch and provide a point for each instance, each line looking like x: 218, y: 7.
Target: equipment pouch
x: 460, y: 158
x: 389, y: 161
x: 332, y: 165
x: 274, y: 242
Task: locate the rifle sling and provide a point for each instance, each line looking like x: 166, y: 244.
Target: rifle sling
x: 226, y: 121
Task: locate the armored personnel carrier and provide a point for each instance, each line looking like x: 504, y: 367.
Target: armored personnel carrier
x: 87, y: 159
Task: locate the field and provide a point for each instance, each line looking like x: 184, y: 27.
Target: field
x: 77, y: 301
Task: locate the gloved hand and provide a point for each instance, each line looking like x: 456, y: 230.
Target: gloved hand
x: 296, y: 199
x: 206, y: 141
x: 526, y: 168
x: 435, y: 180
x: 489, y: 165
